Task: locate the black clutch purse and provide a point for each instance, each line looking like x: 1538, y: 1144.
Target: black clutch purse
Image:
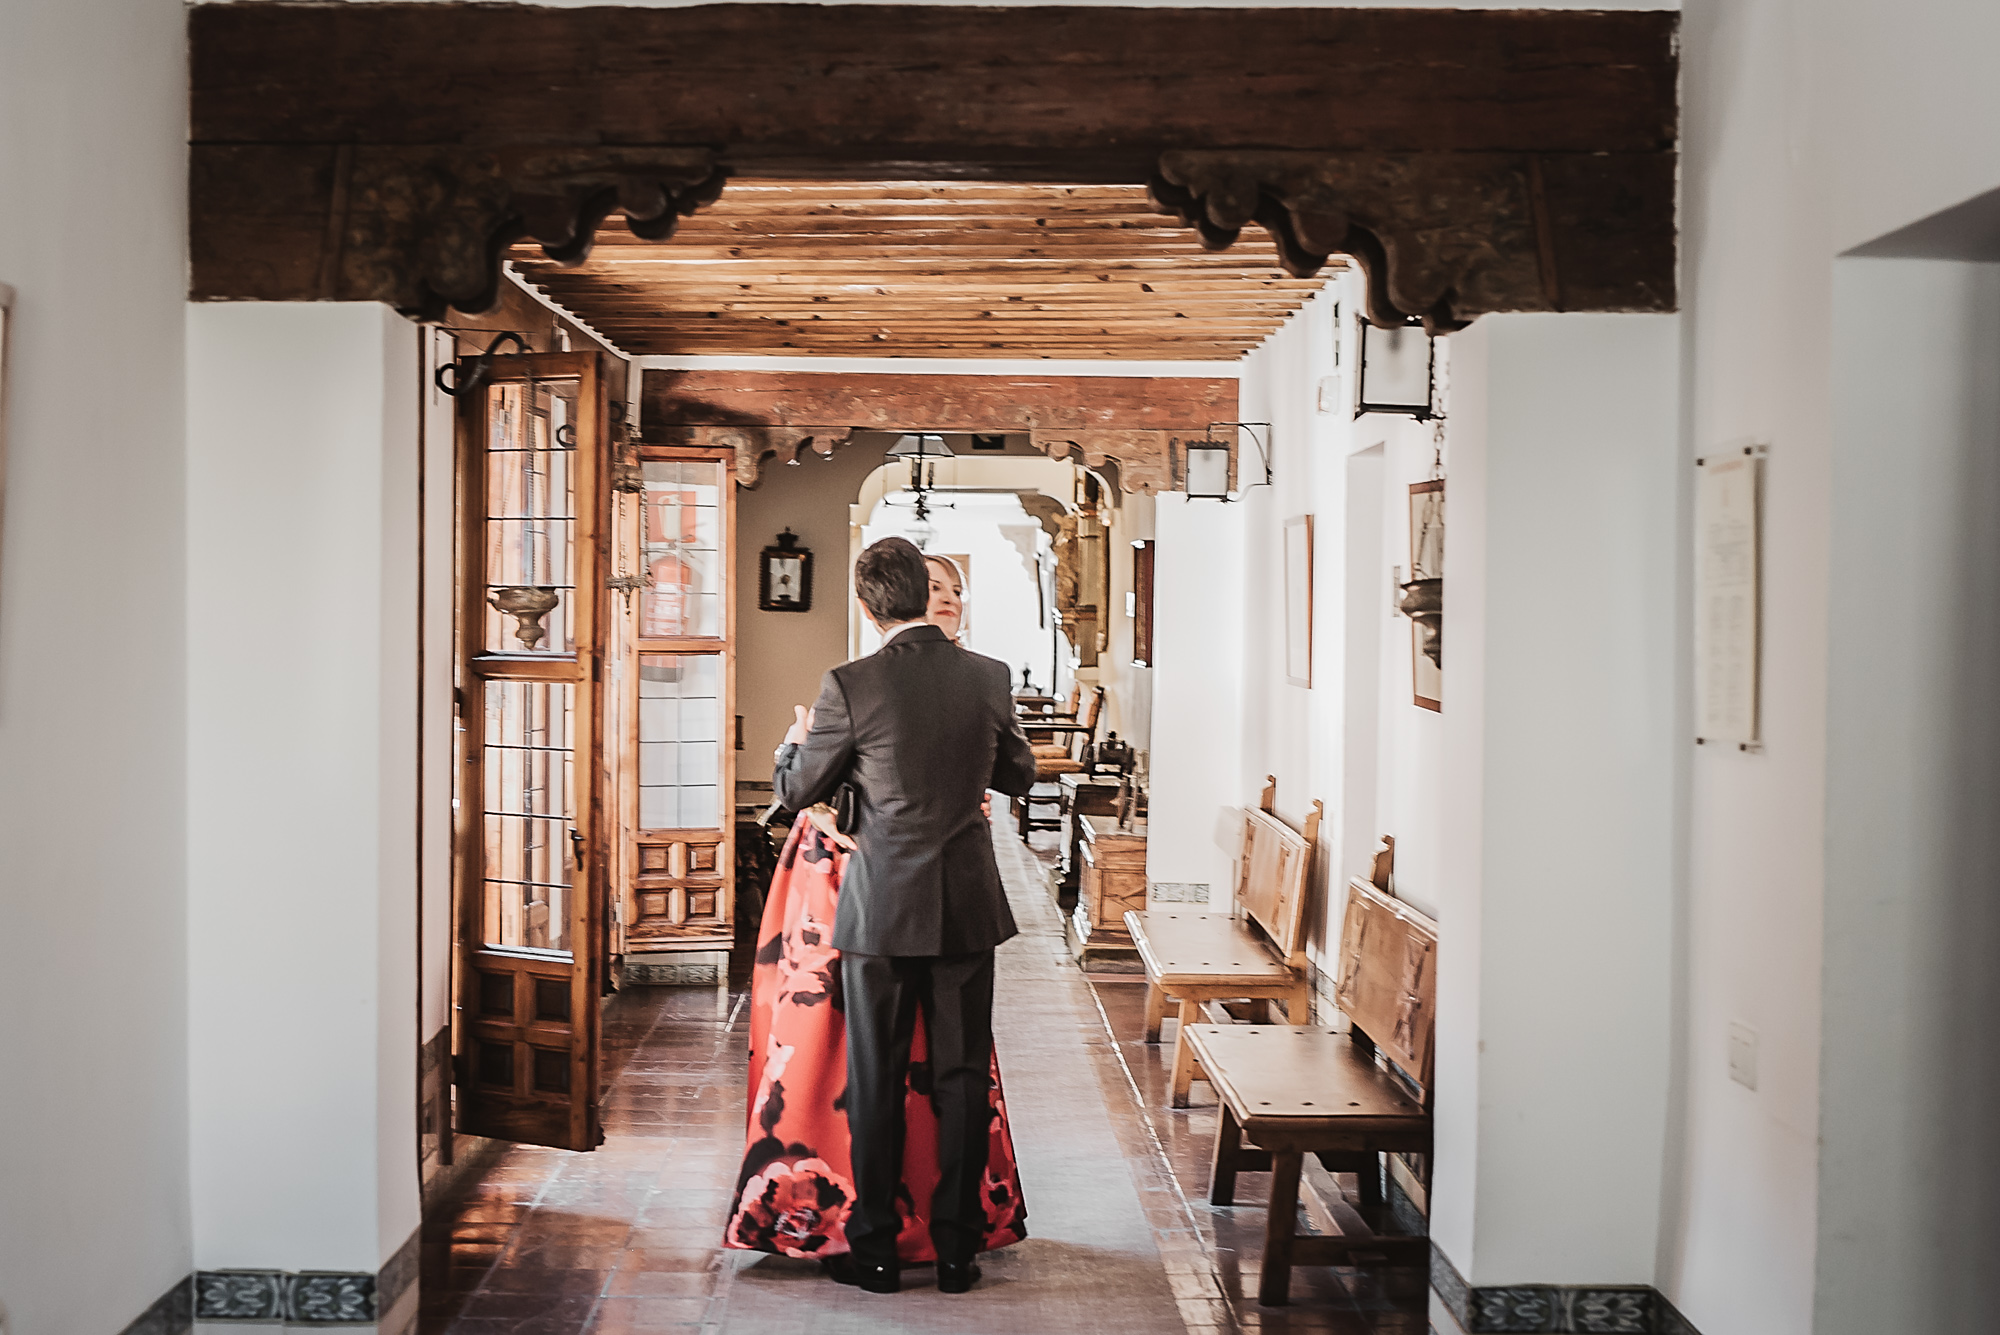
x: 846, y: 809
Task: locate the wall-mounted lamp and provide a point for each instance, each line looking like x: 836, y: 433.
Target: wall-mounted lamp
x: 1397, y: 371
x: 1205, y: 462
x: 784, y: 576
x: 1205, y: 475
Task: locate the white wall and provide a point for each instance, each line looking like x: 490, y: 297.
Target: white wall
x: 1386, y: 778
x: 1810, y: 128
x: 301, y: 632
x: 1908, y: 1215
x: 1555, y: 956
x: 93, y: 1061
x: 1193, y: 829
x: 1536, y: 816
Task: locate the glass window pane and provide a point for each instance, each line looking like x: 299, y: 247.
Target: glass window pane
x: 530, y: 516
x: 528, y: 814
x: 680, y: 741
x: 682, y: 535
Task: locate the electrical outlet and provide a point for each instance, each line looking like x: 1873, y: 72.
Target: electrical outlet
x: 1743, y: 1054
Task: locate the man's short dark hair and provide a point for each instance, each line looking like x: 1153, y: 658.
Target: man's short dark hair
x: 893, y: 581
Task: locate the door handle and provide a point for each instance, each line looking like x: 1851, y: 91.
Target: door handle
x: 576, y: 845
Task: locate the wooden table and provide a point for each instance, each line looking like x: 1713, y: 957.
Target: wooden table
x: 1112, y: 880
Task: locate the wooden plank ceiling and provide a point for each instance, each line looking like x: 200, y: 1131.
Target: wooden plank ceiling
x: 926, y: 269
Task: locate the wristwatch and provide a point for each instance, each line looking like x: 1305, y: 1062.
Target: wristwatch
x: 778, y: 756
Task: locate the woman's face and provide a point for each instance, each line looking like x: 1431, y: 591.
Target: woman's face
x: 946, y: 609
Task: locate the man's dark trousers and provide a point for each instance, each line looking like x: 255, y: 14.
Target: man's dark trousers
x: 883, y: 994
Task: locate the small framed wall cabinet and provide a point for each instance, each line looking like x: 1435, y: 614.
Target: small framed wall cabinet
x: 674, y: 772
x: 530, y: 833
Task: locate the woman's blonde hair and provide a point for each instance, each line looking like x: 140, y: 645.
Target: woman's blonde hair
x: 951, y: 565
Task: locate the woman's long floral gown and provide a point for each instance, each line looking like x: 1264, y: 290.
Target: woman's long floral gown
x: 796, y: 1184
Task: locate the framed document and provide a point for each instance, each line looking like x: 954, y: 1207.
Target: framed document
x: 1727, y: 610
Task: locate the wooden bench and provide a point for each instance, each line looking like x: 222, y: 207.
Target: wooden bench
x: 1198, y: 958
x: 1289, y: 1091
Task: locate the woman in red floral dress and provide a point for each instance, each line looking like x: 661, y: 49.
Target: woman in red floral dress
x: 796, y: 1186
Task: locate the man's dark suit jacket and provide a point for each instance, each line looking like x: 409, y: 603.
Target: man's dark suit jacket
x: 922, y: 729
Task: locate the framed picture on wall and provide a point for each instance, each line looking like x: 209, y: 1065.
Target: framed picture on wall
x: 1142, y: 603
x: 1299, y: 600
x: 1423, y: 594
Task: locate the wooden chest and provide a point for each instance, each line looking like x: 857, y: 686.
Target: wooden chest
x: 1082, y: 795
x: 1112, y: 880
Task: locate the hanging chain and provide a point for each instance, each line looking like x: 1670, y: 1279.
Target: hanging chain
x: 627, y: 479
x: 1440, y: 386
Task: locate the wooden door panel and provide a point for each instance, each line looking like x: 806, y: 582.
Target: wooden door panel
x: 683, y: 891
x: 530, y: 882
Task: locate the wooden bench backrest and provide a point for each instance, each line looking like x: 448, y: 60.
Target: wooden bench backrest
x: 1388, y: 977
x: 1271, y: 879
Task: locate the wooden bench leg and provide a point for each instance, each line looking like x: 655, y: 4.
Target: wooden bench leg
x: 1369, y: 1177
x: 1231, y: 1158
x: 1184, y: 1063
x: 1299, y: 1005
x: 1156, y: 1011
x: 1274, y: 1282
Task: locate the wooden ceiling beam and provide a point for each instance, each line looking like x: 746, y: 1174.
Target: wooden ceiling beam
x: 1470, y: 160
x: 1164, y: 287
x: 777, y: 82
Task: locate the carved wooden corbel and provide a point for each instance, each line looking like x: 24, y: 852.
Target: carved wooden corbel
x: 423, y: 227
x: 1140, y: 460
x: 1442, y: 237
x: 753, y: 444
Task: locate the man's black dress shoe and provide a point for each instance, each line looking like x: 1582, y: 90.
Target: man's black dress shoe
x: 956, y: 1276
x: 863, y: 1275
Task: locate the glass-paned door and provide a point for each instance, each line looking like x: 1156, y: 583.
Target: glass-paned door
x: 677, y: 809
x: 530, y: 881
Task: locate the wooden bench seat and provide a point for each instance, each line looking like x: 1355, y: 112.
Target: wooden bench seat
x: 1288, y: 1091
x: 1198, y: 958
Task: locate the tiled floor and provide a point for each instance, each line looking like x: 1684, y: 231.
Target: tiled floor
x: 1122, y: 1238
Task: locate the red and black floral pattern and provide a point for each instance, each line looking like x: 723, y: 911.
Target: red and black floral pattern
x: 796, y: 1185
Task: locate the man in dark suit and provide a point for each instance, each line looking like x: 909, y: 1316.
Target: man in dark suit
x: 920, y: 729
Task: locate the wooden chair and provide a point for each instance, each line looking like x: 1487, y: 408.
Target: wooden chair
x: 1043, y: 708
x: 1256, y: 953
x: 1065, y: 752
x: 1289, y: 1091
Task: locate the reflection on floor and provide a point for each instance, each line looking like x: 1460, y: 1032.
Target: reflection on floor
x: 1122, y: 1238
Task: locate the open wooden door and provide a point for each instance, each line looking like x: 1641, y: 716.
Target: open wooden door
x: 677, y: 759
x: 530, y: 882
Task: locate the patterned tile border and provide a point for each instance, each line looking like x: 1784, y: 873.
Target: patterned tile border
x: 649, y: 974
x: 1550, y: 1309
x: 239, y: 1295
x: 306, y: 1297
x: 171, y: 1314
